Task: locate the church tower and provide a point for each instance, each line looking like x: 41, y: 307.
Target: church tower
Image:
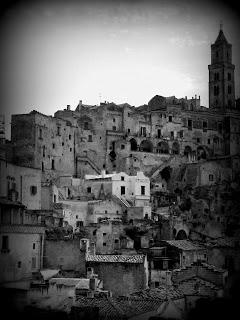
x: 221, y: 75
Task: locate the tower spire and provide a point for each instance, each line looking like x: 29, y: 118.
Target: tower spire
x: 221, y: 25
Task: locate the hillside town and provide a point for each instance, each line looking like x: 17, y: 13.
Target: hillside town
x: 113, y: 211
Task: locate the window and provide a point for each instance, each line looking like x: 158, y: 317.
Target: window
x: 40, y: 133
x: 104, y: 234
x: 209, y: 141
x: 53, y: 145
x: 34, y: 246
x: 62, y: 143
x: 216, y: 90
x: 44, y: 149
x: 33, y: 190
x: 128, y: 114
x: 216, y: 76
x: 205, y: 125
x: 19, y: 264
x: 116, y: 241
x: 89, y: 189
x: 94, y: 232
x: 220, y: 127
x: 156, y: 284
x: 181, y: 134
x: 70, y: 149
x: 210, y: 177
x: 76, y: 216
x: 198, y: 140
x: 86, y: 126
x: 122, y: 178
x: 143, y: 131
x: 34, y: 262
x: 5, y: 244
x: 122, y: 190
x: 128, y: 130
x: 106, y: 211
x: 70, y: 137
x: 58, y: 131
x: 229, y: 89
x: 42, y: 166
x: 53, y: 165
x: 159, y: 133
x: 114, y: 128
x: 90, y: 138
x: 104, y: 244
x: 172, y: 134
x: 216, y: 54
x: 142, y: 190
x: 170, y: 118
x: 114, y: 120
x: 229, y: 76
x: 189, y: 124
x: 122, y: 146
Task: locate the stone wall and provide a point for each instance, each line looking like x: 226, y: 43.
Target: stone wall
x: 121, y: 278
x: 64, y: 254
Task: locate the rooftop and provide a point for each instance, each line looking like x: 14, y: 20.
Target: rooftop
x: 186, y: 245
x: 139, y: 258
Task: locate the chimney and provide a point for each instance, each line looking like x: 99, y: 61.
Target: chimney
x: 195, y: 97
x: 103, y: 172
x: 185, y: 97
x: 80, y: 102
x: 68, y: 107
x: 92, y: 249
x: 93, y: 283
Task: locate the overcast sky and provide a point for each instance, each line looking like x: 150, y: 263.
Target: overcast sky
x: 55, y: 53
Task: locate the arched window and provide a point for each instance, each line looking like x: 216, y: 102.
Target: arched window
x: 175, y: 148
x: 162, y: 147
x: 133, y: 143
x: 146, y: 146
x: 187, y: 151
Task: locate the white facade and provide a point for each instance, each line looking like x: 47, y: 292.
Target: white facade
x: 133, y: 188
x: 26, y: 181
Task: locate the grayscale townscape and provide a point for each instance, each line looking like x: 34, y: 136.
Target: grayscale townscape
x: 114, y: 211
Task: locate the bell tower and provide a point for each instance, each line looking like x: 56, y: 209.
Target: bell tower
x: 221, y: 75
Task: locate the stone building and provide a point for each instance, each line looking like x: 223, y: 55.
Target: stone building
x: 21, y: 244
x: 128, y: 139
x: 131, y: 271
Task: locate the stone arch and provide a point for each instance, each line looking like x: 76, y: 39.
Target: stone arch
x: 201, y: 153
x: 187, y: 151
x: 181, y: 235
x: 163, y: 147
x: 146, y: 146
x: 175, y: 148
x: 133, y: 143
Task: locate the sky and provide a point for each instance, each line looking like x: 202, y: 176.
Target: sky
x: 55, y: 53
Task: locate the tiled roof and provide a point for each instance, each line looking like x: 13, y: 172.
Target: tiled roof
x: 119, y: 308
x: 106, y: 309
x: 58, y: 205
x: 232, y: 242
x: 21, y: 228
x: 185, y: 245
x: 139, y: 258
x: 162, y: 293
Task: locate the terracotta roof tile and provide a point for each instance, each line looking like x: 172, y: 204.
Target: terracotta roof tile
x: 139, y: 258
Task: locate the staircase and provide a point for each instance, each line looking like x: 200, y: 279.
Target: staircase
x: 90, y: 162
